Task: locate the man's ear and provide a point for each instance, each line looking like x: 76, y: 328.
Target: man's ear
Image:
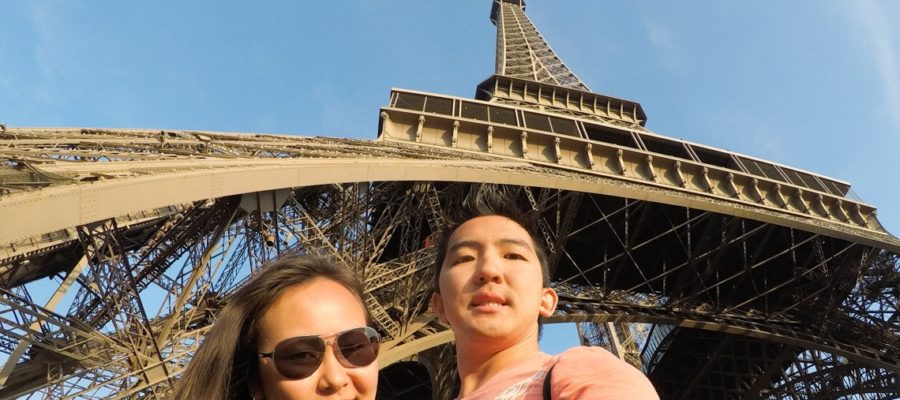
x: 437, y: 306
x: 549, y: 299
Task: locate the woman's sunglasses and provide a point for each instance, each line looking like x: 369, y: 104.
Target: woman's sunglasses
x: 298, y: 357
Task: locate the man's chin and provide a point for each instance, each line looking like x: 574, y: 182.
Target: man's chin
x: 489, y: 330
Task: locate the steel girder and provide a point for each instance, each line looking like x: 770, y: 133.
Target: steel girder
x: 729, y: 279
x: 720, y: 275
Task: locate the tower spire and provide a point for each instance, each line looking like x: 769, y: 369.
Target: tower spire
x: 523, y: 53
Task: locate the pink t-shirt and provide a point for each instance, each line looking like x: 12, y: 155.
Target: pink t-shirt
x: 580, y: 373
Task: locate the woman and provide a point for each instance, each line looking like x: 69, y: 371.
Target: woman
x: 298, y: 329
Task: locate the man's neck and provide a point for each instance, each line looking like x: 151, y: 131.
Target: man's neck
x: 478, y: 363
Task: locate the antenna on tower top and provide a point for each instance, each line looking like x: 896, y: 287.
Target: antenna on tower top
x: 495, y: 9
x: 523, y: 53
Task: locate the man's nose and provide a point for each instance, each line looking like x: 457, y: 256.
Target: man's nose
x: 489, y: 268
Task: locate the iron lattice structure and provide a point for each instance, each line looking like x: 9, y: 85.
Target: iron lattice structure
x: 720, y: 275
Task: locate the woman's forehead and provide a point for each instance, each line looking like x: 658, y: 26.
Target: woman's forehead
x: 301, y: 307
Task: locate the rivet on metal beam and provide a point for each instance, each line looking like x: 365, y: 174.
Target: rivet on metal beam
x: 838, y: 211
x: 782, y: 202
x: 385, y: 124
x: 621, y: 161
x: 731, y: 186
x: 679, y: 175
x: 556, y: 148
x: 590, y: 155
x: 524, y: 143
x: 704, y: 176
x: 820, y: 204
x: 801, y: 204
x: 419, y: 129
x: 648, y: 161
x: 754, y: 190
x: 857, y: 213
x: 490, y: 139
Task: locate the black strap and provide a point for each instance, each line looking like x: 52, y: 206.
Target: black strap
x: 547, y: 383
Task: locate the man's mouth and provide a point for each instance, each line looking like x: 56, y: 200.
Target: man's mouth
x: 488, y: 302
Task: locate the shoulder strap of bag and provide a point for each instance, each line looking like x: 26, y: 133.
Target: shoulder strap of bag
x: 547, y: 379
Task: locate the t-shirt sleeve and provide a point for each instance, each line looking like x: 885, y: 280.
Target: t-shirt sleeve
x: 594, y: 373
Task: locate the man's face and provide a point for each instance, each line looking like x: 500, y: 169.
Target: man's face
x: 491, y: 285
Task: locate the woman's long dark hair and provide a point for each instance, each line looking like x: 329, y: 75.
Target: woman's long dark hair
x: 225, y: 364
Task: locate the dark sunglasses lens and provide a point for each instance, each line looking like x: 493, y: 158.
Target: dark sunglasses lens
x: 359, y: 346
x: 298, y: 358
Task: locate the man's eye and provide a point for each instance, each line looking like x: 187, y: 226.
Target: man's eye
x: 514, y: 256
x: 462, y: 259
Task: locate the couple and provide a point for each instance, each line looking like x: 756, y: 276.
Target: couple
x: 299, y: 328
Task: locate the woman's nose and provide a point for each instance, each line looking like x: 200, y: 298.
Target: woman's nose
x: 334, y: 375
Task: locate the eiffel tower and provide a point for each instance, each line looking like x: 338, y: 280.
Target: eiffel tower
x: 719, y: 275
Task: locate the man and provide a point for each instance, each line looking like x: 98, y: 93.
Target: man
x: 491, y: 286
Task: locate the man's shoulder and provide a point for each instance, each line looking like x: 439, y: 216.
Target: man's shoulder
x: 595, y: 373
x: 594, y: 361
x: 586, y: 353
x: 517, y: 381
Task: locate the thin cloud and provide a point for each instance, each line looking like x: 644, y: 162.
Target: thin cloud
x: 665, y: 43
x: 43, y: 21
x: 56, y: 42
x: 871, y: 16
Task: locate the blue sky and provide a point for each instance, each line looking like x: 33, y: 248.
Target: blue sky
x: 813, y: 84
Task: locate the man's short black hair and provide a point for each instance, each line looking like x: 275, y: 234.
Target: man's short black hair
x: 484, y: 200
